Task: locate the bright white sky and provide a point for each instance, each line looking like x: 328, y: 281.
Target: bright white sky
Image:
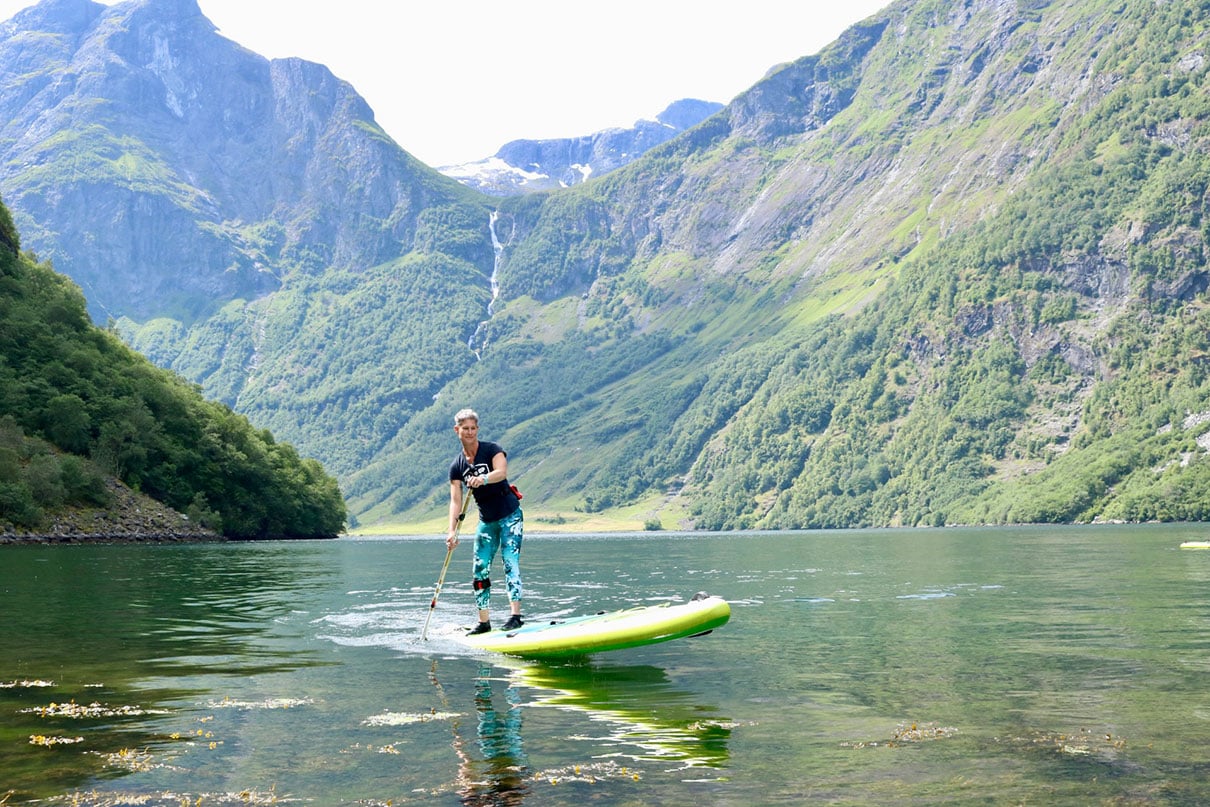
x: 453, y: 80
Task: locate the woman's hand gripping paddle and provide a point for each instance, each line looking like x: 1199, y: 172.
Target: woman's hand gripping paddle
x: 466, y: 498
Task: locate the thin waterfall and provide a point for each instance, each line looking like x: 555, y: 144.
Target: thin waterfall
x: 498, y: 249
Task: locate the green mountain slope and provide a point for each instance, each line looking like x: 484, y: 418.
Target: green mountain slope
x: 69, y: 390
x: 958, y: 278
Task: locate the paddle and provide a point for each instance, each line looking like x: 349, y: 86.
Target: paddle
x: 466, y: 499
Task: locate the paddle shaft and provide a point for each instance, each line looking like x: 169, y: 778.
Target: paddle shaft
x: 466, y: 498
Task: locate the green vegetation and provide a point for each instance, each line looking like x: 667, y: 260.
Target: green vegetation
x: 36, y: 480
x: 1045, y: 362
x: 938, y: 389
x: 76, y: 403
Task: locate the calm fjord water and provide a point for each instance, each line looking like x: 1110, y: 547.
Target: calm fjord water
x: 993, y: 666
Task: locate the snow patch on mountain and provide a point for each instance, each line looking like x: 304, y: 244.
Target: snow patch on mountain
x: 528, y: 166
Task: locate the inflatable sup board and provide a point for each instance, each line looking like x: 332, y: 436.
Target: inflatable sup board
x: 613, y: 630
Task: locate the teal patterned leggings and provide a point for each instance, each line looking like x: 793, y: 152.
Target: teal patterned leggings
x: 503, y: 536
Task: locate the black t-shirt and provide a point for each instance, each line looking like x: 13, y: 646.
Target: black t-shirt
x: 496, y: 499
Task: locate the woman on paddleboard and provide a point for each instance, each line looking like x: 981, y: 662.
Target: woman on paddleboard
x: 483, y: 468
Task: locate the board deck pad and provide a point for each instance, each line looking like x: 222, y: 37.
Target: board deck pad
x: 612, y: 630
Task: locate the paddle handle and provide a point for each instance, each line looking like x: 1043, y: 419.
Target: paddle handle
x: 466, y: 498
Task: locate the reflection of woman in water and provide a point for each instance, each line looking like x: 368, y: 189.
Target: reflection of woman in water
x: 650, y: 716
x: 499, y: 779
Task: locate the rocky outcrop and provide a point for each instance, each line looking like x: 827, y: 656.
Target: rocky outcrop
x: 805, y: 95
x: 130, y: 518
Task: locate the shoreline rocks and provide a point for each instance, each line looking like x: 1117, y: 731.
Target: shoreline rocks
x: 130, y: 518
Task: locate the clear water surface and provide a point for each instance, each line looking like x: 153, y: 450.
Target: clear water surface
x: 989, y: 666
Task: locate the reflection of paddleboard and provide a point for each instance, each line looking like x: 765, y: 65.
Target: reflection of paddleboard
x: 614, y: 630
x: 1196, y: 545
x: 642, y: 709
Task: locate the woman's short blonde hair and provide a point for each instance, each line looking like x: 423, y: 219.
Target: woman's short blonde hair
x: 465, y: 414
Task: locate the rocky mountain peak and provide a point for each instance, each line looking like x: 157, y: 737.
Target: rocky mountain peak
x: 54, y: 17
x: 526, y: 166
x: 687, y: 113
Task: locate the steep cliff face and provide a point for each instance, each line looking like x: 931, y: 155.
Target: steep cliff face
x: 138, y: 140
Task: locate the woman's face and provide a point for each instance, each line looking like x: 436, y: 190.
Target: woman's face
x: 467, y: 430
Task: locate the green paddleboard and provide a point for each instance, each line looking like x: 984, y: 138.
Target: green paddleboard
x: 612, y: 630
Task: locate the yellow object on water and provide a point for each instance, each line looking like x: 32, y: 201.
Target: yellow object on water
x: 614, y: 630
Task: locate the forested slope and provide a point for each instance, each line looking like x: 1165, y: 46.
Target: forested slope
x: 77, y: 406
